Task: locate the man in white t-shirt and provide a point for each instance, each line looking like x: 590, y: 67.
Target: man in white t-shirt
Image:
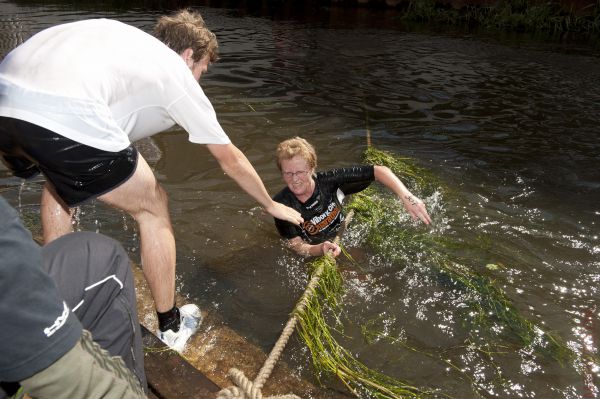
x: 72, y: 100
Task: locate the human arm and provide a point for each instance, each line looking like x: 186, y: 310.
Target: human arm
x: 304, y: 248
x: 414, y: 206
x: 36, y: 324
x: 235, y: 164
x: 39, y: 331
x: 85, y: 371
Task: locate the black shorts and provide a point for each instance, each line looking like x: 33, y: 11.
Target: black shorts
x: 78, y: 172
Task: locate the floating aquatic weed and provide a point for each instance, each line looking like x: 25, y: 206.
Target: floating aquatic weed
x: 548, y: 17
x: 329, y: 358
x: 371, y: 333
x: 409, y: 172
x: 488, y: 303
x: 493, y: 305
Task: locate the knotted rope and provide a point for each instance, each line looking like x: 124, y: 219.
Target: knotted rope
x: 247, y: 389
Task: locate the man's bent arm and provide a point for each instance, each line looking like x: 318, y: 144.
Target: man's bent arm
x: 86, y: 371
x: 235, y: 164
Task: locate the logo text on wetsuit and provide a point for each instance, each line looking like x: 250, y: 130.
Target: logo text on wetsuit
x: 318, y: 223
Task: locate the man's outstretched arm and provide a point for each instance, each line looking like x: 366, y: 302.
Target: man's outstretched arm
x: 235, y: 164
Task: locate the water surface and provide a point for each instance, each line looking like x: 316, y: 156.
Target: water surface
x: 511, y: 129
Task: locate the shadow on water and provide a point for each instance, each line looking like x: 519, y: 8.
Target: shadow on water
x: 510, y: 125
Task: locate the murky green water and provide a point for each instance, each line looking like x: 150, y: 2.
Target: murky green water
x: 511, y: 128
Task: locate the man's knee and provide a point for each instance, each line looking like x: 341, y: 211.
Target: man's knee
x: 153, y: 207
x: 157, y: 195
x: 88, y: 252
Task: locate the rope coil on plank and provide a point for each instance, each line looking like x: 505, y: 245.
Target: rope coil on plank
x: 247, y: 389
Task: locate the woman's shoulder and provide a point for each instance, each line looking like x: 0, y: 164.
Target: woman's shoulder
x: 284, y: 196
x: 344, y: 172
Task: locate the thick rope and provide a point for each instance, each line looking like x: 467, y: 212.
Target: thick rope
x: 367, y: 127
x: 247, y: 389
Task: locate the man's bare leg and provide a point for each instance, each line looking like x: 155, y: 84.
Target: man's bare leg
x: 55, y: 214
x: 143, y: 198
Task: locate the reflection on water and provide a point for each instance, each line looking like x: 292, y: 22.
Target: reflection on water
x: 510, y: 128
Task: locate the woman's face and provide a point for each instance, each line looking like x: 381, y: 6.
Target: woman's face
x: 298, y: 177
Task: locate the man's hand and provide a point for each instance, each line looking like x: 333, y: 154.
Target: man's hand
x: 286, y: 213
x: 235, y: 164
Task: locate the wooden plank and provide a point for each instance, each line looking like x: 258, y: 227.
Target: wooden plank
x: 216, y: 348
x: 171, y: 376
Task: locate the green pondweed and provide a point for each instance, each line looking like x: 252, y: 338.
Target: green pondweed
x: 330, y: 358
x: 550, y: 17
x: 489, y: 304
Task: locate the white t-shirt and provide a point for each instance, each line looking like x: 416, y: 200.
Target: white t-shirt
x: 105, y: 84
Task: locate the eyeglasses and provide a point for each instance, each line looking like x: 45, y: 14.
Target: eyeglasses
x: 300, y: 173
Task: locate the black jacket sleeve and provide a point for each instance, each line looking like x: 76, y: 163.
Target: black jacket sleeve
x: 350, y: 180
x: 37, y: 326
x: 285, y: 228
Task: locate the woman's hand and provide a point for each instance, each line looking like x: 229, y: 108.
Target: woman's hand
x: 331, y: 248
x: 415, y: 207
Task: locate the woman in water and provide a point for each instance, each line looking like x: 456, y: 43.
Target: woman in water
x: 318, y: 196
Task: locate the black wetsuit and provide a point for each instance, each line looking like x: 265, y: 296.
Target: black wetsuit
x: 322, y: 212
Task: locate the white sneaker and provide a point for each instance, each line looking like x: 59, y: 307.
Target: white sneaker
x: 190, y: 321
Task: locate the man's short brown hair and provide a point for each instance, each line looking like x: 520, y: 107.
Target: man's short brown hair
x: 186, y: 29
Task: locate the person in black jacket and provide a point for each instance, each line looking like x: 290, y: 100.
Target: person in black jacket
x: 318, y: 196
x: 50, y: 300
